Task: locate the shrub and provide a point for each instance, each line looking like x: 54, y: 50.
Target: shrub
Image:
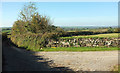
x: 33, y: 31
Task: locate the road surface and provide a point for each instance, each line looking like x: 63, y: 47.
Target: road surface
x: 16, y: 59
x: 83, y: 61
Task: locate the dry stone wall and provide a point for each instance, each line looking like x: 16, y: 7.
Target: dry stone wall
x: 84, y: 42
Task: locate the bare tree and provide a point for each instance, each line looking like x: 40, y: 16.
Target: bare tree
x: 27, y: 12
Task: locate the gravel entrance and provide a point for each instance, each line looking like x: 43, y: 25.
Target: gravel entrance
x: 82, y: 61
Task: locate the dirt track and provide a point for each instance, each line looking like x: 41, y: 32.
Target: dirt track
x: 85, y: 61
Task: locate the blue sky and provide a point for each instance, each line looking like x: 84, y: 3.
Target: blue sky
x: 67, y: 13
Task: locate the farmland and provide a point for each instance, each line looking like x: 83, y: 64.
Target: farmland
x: 110, y: 35
x: 6, y: 30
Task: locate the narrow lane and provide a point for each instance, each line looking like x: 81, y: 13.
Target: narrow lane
x: 16, y: 59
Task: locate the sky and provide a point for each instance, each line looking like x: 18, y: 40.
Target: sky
x: 67, y: 13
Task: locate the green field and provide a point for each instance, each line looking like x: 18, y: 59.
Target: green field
x: 78, y: 49
x: 110, y: 35
x: 6, y: 31
x: 92, y: 30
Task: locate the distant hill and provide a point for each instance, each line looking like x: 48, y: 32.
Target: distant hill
x: 88, y: 26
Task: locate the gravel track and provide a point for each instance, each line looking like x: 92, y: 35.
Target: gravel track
x: 82, y: 61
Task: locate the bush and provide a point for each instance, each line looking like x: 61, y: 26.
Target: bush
x: 33, y: 31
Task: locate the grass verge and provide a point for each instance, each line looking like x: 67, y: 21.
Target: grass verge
x: 78, y: 49
x: 116, y: 68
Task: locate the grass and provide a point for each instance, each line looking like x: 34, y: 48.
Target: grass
x: 111, y: 35
x: 116, y: 68
x: 6, y: 31
x: 92, y: 30
x: 78, y: 49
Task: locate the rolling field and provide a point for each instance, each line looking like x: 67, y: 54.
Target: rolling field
x: 6, y: 31
x: 110, y: 35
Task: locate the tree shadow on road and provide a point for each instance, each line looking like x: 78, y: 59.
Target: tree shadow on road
x: 25, y: 61
x: 47, y: 62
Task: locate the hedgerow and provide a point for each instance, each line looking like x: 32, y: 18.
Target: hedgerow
x: 34, y: 30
